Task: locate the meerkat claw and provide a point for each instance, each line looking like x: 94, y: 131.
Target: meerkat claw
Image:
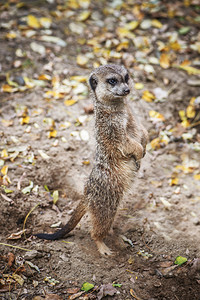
x: 103, y: 249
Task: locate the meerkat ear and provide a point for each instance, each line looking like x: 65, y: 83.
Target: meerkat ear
x: 93, y: 82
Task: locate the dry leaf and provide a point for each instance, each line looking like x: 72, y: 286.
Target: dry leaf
x: 44, y: 155
x: 4, y: 170
x: 11, y: 259
x: 139, y: 86
x: 82, y: 60
x: 33, y: 22
x: 148, y: 96
x: 70, y: 102
x: 16, y: 235
x: 156, y: 116
x: 165, y: 61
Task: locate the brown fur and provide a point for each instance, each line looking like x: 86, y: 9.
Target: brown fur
x: 120, y: 145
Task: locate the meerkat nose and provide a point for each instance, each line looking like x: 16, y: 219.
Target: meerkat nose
x: 126, y: 91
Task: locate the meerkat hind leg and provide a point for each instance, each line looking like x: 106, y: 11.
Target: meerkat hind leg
x: 103, y: 249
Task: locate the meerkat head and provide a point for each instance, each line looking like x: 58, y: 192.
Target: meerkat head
x: 110, y: 83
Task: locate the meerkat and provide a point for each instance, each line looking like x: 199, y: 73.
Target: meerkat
x: 120, y: 145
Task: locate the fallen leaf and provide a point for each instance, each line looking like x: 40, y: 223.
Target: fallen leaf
x: 84, y: 15
x: 45, y: 22
x: 197, y: 176
x: 4, y: 170
x: 33, y: 22
x: 55, y: 197
x: 190, y: 70
x: 87, y: 286
x: 106, y: 290
x: 156, y: 23
x: 165, y: 61
x: 53, y: 39
x: 184, y: 30
x: 44, y: 155
x: 38, y: 48
x: 156, y: 116
x: 148, y: 96
x: 139, y: 86
x: 82, y: 60
x: 11, y: 259
x: 16, y: 235
x: 18, y: 278
x: 173, y: 181
x: 166, y: 203
x: 70, y: 102
x: 28, y: 189
x: 180, y: 260
x: 52, y: 133
x: 75, y: 296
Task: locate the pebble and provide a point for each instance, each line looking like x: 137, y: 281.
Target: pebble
x: 31, y: 254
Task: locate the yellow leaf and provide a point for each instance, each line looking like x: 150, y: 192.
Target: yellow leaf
x: 4, y: 170
x: 148, y: 96
x: 155, y: 144
x: 164, y: 61
x: 44, y: 77
x: 11, y: 35
x: 185, y: 169
x: 55, y: 81
x: 81, y: 60
x: 45, y: 22
x: 24, y: 120
x: 123, y: 45
x: 70, y: 102
x: 124, y: 32
x: 175, y: 46
x: 139, y: 86
x: 173, y: 181
x: 132, y: 25
x: 156, y: 115
x: 52, y: 134
x: 54, y: 94
x: 4, y: 153
x: 6, y: 180
x: 84, y: 15
x: 79, y: 78
x: 86, y: 162
x: 33, y: 22
x: 185, y: 123
x: 190, y: 111
x: 156, y: 23
x: 190, y: 70
x: 197, y: 176
x: 182, y: 115
x: 8, y: 89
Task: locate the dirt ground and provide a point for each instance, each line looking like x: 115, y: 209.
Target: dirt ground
x: 159, y: 218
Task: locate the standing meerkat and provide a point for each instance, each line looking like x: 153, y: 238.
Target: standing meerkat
x: 120, y: 145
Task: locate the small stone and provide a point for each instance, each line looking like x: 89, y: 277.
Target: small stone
x: 31, y: 254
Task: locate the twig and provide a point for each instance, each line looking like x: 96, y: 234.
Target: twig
x: 133, y: 294
x: 32, y: 209
x: 20, y: 180
x: 8, y: 245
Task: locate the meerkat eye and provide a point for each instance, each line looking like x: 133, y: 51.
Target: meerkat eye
x: 126, y: 78
x: 112, y: 81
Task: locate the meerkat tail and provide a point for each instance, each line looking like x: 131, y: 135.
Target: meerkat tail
x: 78, y: 213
